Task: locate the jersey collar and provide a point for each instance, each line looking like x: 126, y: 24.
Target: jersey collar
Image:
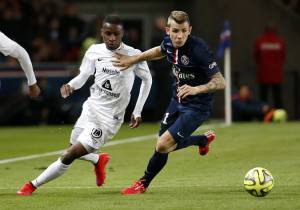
x: 119, y: 48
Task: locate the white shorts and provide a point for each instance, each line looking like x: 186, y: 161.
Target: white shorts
x: 91, y: 133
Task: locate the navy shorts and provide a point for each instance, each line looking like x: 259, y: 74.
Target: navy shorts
x: 182, y: 121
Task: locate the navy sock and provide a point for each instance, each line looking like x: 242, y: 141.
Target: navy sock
x: 199, y: 140
x: 155, y: 165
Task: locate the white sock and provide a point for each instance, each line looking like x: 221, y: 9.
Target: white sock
x: 92, y: 157
x: 55, y: 170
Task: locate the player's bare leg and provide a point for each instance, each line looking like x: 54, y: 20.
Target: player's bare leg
x: 99, y: 160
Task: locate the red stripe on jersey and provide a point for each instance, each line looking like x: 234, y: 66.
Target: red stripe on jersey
x: 175, y: 56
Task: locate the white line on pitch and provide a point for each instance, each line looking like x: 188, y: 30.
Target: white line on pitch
x: 120, y: 187
x: 112, y: 143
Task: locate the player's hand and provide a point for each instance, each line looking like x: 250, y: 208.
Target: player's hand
x: 186, y: 90
x: 123, y: 61
x: 135, y: 122
x: 66, y: 90
x: 34, y: 91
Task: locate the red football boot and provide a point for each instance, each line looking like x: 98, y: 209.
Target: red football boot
x: 136, y: 188
x: 26, y: 190
x: 210, y: 135
x: 100, y: 168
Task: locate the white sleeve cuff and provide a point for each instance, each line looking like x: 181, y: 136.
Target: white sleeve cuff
x: 78, y: 81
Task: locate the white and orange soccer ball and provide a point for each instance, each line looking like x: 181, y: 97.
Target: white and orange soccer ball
x: 258, y: 182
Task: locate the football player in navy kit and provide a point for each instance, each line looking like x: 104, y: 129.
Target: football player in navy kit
x: 197, y: 76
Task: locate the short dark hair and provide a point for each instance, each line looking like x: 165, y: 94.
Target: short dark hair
x: 112, y: 19
x: 179, y: 17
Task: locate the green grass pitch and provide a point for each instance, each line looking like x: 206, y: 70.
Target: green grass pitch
x: 187, y: 182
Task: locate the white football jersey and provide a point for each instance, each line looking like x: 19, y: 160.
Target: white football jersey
x: 110, y: 94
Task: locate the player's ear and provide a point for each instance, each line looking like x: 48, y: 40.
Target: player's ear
x: 190, y: 29
x: 101, y: 32
x: 167, y: 30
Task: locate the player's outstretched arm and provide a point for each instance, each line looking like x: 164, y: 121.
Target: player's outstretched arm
x: 124, y: 61
x: 22, y: 56
x: 143, y: 72
x: 217, y: 82
x: 76, y: 83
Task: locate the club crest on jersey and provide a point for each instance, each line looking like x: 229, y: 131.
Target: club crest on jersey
x: 184, y: 60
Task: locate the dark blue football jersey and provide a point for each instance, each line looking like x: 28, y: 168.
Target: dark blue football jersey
x: 193, y: 64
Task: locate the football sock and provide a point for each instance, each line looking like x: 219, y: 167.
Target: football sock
x: 92, y: 157
x: 55, y: 170
x: 155, y: 165
x: 199, y: 140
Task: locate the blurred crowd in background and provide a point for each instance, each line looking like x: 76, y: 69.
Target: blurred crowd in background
x: 49, y: 30
x: 53, y: 31
x: 56, y: 35
x: 293, y: 4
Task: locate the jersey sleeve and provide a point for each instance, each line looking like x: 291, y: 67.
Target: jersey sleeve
x: 7, y: 46
x: 206, y: 59
x: 13, y: 49
x: 88, y: 63
x: 143, y: 72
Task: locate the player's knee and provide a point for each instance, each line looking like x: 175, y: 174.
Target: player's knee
x: 67, y: 158
x: 162, y: 148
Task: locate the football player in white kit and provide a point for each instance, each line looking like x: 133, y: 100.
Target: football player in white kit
x: 13, y: 49
x: 103, y: 112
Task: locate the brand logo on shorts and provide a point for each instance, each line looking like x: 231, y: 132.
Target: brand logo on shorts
x: 96, y: 133
x: 179, y: 134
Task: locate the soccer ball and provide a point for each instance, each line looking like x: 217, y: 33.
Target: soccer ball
x: 258, y: 182
x: 280, y: 115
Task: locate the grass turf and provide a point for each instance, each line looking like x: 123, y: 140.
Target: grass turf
x: 187, y: 182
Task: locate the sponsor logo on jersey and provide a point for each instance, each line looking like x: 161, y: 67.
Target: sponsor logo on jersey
x: 106, y: 84
x: 106, y: 89
x: 181, y: 75
x: 110, y: 71
x: 106, y: 92
x: 212, y: 65
x: 184, y: 60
